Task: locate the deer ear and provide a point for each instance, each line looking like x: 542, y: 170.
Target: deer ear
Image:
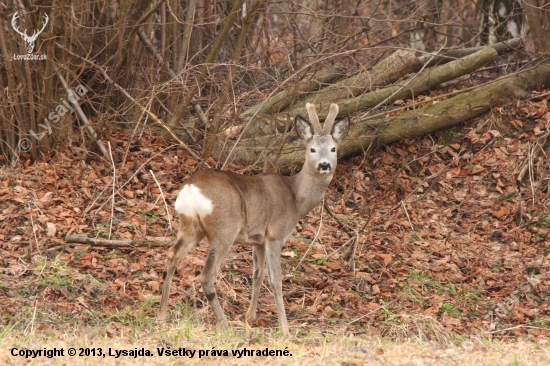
x: 340, y: 129
x: 303, y: 128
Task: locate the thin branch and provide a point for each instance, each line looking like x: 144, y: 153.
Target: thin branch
x: 148, y: 243
x: 168, y: 216
x: 313, y: 241
x: 113, y: 182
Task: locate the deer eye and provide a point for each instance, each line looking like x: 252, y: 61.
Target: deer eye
x: 333, y: 149
x: 312, y: 150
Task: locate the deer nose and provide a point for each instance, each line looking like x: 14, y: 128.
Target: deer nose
x: 324, y: 166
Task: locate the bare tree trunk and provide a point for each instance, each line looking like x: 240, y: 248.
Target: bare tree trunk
x: 228, y: 24
x: 538, y: 16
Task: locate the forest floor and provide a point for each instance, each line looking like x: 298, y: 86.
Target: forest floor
x: 433, y: 250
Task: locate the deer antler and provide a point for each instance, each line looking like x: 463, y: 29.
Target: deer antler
x: 329, y: 121
x: 313, y: 118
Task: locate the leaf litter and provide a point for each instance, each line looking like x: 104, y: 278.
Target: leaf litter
x: 441, y: 236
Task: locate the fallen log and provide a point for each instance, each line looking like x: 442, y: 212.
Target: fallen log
x: 100, y: 242
x: 271, y: 152
x: 386, y: 72
x: 419, y: 83
x: 452, y: 54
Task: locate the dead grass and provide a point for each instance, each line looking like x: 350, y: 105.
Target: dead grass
x: 335, y: 347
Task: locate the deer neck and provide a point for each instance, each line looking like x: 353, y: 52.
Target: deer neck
x: 308, y: 189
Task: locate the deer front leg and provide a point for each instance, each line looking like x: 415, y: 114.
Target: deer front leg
x: 258, y: 254
x: 273, y: 258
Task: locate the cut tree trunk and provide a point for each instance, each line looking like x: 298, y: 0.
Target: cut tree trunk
x: 453, y: 54
x: 273, y: 154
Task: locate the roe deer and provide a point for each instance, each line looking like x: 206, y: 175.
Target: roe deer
x: 261, y: 211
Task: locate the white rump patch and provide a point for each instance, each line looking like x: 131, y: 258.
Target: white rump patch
x: 191, y: 202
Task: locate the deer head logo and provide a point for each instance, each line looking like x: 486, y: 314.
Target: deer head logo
x: 29, y: 40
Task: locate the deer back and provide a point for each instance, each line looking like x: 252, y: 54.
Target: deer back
x: 259, y: 206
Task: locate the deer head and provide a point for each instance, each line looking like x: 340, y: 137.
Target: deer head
x: 321, y: 142
x: 29, y: 40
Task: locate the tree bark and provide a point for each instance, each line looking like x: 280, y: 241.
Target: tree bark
x: 273, y: 154
x: 450, y: 55
x: 538, y: 16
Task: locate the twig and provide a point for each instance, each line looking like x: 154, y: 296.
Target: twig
x: 156, y: 243
x: 517, y: 327
x: 529, y: 223
x: 340, y: 223
x: 533, y: 154
x: 538, y: 96
x: 34, y: 234
x: 351, y: 241
x: 168, y: 216
x: 408, y: 218
x: 113, y: 181
x: 31, y: 323
x: 313, y: 241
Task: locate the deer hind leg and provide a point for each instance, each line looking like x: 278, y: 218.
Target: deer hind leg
x: 258, y: 253
x: 273, y: 258
x: 189, y: 234
x: 216, y: 255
